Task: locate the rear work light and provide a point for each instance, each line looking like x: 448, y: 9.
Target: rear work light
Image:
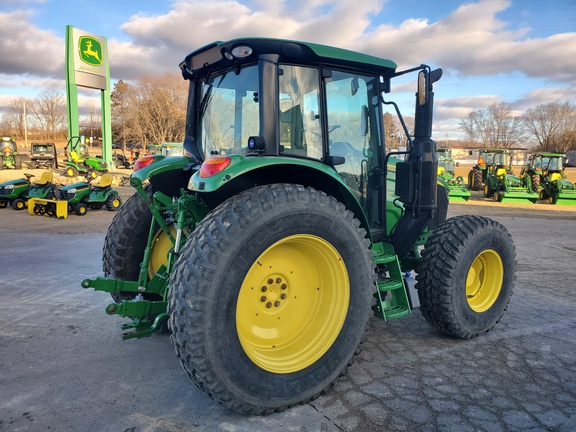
x: 214, y: 165
x: 143, y: 162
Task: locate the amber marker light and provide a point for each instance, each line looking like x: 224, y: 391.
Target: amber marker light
x: 214, y: 165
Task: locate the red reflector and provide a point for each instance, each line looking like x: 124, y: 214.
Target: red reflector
x: 214, y: 165
x: 143, y: 162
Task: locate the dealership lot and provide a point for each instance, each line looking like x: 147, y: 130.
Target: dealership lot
x: 63, y: 366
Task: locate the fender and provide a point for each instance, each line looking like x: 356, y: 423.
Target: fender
x: 223, y: 176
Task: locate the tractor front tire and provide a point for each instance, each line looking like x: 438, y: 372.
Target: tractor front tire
x: 125, y: 243
x: 3, y: 204
x: 80, y: 209
x: 467, y: 275
x: 280, y: 278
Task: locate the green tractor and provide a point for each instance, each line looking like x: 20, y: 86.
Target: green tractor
x: 547, y: 172
x: 502, y: 185
x: 79, y: 161
x: 10, y: 158
x: 486, y: 160
x: 268, y: 246
x: 458, y: 192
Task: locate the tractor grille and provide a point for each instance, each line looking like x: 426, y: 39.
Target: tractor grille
x: 3, y: 191
x: 68, y: 195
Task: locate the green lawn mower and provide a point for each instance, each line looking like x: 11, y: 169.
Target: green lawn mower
x: 78, y: 198
x: 17, y: 192
x: 80, y: 162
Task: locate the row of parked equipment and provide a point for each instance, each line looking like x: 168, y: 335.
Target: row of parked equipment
x: 43, y: 197
x: 543, y: 178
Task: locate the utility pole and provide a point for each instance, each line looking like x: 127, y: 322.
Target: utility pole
x: 24, y: 115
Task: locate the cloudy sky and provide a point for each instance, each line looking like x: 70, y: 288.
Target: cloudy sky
x: 522, y: 52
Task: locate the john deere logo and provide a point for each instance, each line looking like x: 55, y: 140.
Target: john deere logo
x: 90, y: 50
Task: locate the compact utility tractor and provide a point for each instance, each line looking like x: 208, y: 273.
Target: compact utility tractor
x: 79, y: 161
x: 547, y: 170
x: 458, y: 192
x: 501, y: 184
x: 267, y: 248
x: 10, y: 158
x: 486, y: 160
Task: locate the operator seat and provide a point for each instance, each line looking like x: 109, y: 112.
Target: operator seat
x: 46, y: 178
x: 105, y: 181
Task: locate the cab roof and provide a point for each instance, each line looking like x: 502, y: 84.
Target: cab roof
x: 219, y: 55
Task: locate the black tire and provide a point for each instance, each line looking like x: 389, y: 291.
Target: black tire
x: 80, y: 209
x: 125, y: 242
x: 488, y: 191
x: 211, y: 288
x: 18, y: 162
x: 18, y: 204
x: 96, y: 206
x: 1, y: 162
x: 478, y: 183
x: 535, y: 182
x: 455, y: 303
x: 71, y: 172
x: 3, y: 204
x: 113, y: 202
x: 543, y: 195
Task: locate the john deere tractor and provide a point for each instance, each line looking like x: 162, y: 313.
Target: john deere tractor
x: 487, y: 159
x: 458, y: 192
x: 547, y: 172
x: 79, y: 161
x: 502, y: 185
x: 268, y: 247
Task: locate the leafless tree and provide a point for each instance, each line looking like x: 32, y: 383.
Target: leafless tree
x: 50, y: 114
x: 552, y: 125
x: 493, y: 126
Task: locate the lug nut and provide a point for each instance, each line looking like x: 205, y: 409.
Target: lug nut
x: 270, y: 281
x: 269, y: 304
x: 264, y: 289
x: 263, y: 299
x: 276, y: 303
x: 278, y: 280
x: 283, y: 296
x: 283, y: 286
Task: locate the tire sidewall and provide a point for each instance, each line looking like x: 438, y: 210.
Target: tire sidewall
x: 246, y: 242
x: 476, y: 321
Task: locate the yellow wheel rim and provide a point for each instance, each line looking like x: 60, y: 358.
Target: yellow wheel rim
x: 484, y: 280
x: 116, y: 203
x: 292, y: 303
x: 161, y: 245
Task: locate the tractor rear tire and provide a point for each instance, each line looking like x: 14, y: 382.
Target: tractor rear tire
x: 477, y: 177
x: 3, y: 204
x: 125, y: 243
x: 467, y: 276
x: 280, y: 278
x: 71, y: 172
x: 535, y: 182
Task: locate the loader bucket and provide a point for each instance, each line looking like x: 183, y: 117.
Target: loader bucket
x: 518, y: 197
x: 48, y: 207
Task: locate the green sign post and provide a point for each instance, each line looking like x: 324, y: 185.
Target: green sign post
x: 87, y: 66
